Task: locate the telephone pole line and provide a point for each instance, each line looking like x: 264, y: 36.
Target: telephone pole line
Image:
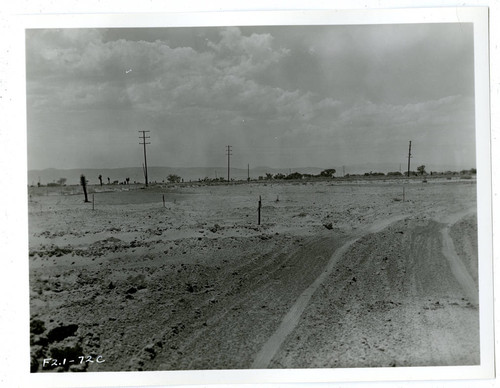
x: 409, y: 157
x: 228, y: 152
x: 144, y: 143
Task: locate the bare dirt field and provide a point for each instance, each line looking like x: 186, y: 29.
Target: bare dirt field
x: 338, y: 274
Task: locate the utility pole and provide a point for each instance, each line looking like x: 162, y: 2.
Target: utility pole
x: 228, y: 152
x: 248, y: 172
x: 409, y: 157
x: 143, y: 138
x: 343, y: 170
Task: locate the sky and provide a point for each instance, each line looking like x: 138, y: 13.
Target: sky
x: 281, y: 96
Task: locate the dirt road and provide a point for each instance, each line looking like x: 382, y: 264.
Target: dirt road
x: 393, y: 300
x: 291, y: 319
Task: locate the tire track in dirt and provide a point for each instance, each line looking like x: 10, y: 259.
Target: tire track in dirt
x: 291, y: 319
x: 246, y: 312
x: 401, y: 305
x: 457, y: 266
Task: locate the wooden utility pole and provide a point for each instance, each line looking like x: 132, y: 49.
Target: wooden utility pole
x: 143, y: 138
x: 228, y: 152
x: 409, y: 157
x: 248, y: 172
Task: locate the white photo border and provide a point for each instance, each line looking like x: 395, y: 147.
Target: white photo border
x: 476, y: 15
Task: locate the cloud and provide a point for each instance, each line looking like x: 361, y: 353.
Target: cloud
x: 246, y: 55
x: 84, y: 71
x: 338, y: 93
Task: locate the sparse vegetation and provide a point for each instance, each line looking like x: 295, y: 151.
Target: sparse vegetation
x: 173, y: 178
x: 294, y: 175
x: 328, y: 173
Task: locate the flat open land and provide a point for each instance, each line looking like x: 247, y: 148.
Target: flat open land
x: 338, y: 274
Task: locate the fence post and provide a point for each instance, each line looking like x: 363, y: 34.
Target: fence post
x: 93, y: 202
x: 163, y: 200
x: 260, y: 206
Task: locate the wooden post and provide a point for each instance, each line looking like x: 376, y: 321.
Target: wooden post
x: 409, y: 157
x: 260, y: 206
x: 93, y: 202
x: 163, y: 200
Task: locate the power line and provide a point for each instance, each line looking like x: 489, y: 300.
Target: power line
x: 145, y: 166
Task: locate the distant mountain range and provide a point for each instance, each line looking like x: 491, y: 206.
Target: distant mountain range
x: 160, y: 174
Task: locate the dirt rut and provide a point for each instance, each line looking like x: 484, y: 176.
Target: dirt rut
x: 393, y: 300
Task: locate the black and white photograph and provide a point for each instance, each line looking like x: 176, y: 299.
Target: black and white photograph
x: 257, y: 196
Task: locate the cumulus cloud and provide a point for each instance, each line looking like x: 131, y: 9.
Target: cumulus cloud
x: 152, y: 76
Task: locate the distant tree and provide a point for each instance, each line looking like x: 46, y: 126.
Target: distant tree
x: 61, y: 181
x: 173, y: 178
x: 294, y: 175
x: 109, y: 181
x: 394, y: 173
x: 100, y: 179
x: 472, y: 171
x: 328, y: 173
x: 269, y: 176
x: 421, y: 169
x: 279, y: 176
x: 83, y: 182
x: 127, y: 180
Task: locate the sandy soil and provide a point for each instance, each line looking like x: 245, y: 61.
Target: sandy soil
x: 341, y: 274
